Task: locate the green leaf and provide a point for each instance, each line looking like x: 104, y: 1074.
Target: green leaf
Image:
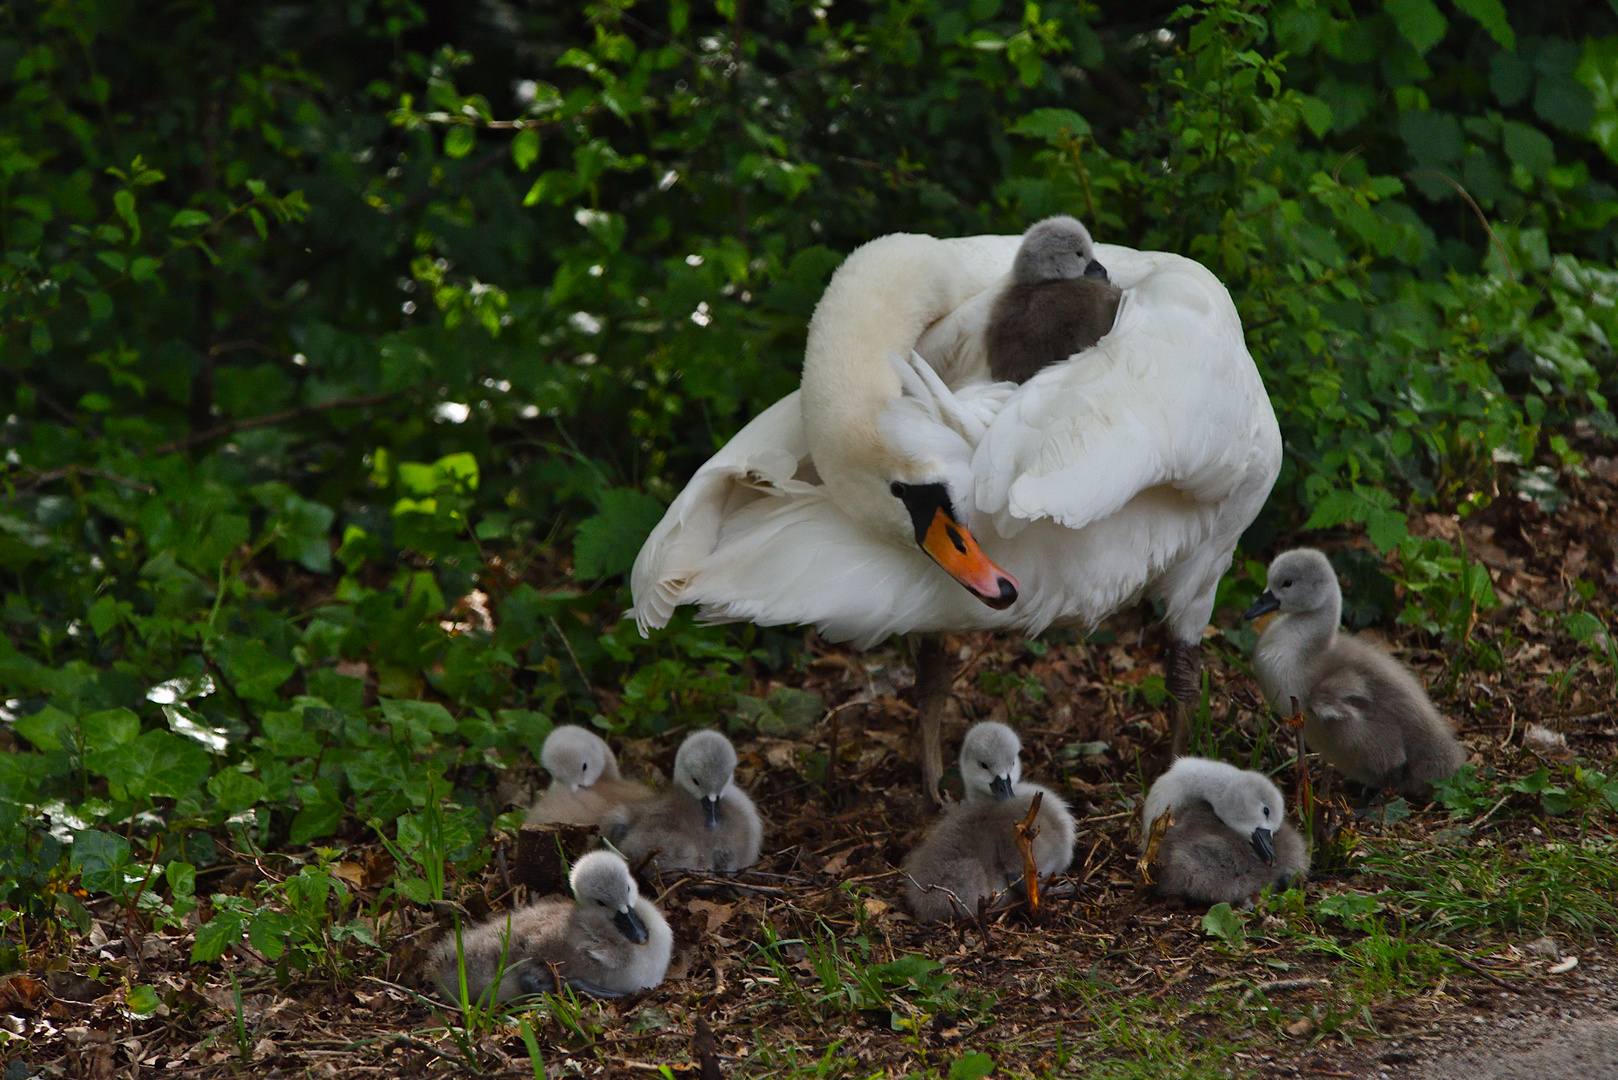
x: 144, y: 268
x: 1510, y: 78
x: 157, y: 764
x: 1432, y: 137
x: 1052, y: 125
x: 1223, y: 923
x: 255, y: 673
x: 216, y: 935
x: 123, y: 201
x: 322, y: 812
x: 525, y: 148
x: 142, y: 1002
x: 100, y: 858
x: 49, y: 729
x: 973, y: 1066
x: 1598, y: 72
x: 182, y: 879
x: 236, y: 790
x: 1419, y: 22
x: 458, y: 141
x: 39, y: 338
x: 1492, y: 14
x: 1563, y: 101
x: 189, y: 219
x: 1528, y: 147
x: 109, y: 728
x: 1317, y: 115
x: 269, y: 932
x: 607, y: 543
x: 418, y: 721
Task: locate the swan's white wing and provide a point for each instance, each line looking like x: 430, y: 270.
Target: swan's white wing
x: 760, y: 462
x: 1169, y: 397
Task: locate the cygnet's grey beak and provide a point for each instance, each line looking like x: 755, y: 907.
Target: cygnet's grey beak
x: 1095, y: 269
x: 1265, y: 604
x: 1001, y: 787
x: 629, y: 925
x: 1262, y: 845
x: 710, y: 810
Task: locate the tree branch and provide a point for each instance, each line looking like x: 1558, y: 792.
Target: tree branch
x: 272, y: 419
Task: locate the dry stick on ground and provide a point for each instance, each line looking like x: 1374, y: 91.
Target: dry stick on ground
x: 1026, y: 831
x: 1304, y: 799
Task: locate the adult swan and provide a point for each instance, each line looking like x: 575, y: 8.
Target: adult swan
x: 900, y: 491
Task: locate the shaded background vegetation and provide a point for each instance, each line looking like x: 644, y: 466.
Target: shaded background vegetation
x: 350, y: 350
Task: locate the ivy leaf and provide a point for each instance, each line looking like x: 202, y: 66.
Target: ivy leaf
x: 109, y: 728
x: 1528, y: 146
x: 48, y: 729
x: 158, y: 764
x: 1492, y: 14
x: 607, y: 543
x: 100, y: 859
x: 1419, y: 22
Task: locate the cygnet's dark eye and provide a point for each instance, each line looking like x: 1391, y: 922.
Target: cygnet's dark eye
x: 1287, y: 584
x: 585, y: 767
x: 898, y: 489
x: 983, y: 764
x: 1266, y: 811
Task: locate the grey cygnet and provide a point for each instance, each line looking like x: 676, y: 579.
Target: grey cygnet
x: 971, y: 851
x: 1363, y: 711
x: 1059, y: 302
x: 606, y: 942
x: 585, y: 783
x: 702, y: 822
x: 1230, y: 838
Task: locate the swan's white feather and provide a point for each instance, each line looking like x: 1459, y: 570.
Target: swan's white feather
x: 1129, y: 470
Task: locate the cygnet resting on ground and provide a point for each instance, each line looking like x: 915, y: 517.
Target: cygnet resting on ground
x: 608, y: 941
x: 702, y: 822
x: 1363, y: 711
x: 1059, y: 302
x: 585, y: 783
x: 1230, y: 837
x: 972, y: 849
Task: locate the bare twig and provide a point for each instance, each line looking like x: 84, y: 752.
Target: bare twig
x: 272, y: 419
x: 1280, y: 985
x: 50, y: 476
x: 1026, y: 831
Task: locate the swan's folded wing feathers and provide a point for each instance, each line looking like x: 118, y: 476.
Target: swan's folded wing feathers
x: 1170, y: 397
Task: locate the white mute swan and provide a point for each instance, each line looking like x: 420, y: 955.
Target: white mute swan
x: 898, y: 473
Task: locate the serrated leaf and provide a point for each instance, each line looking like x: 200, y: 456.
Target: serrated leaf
x: 525, y: 148
x: 608, y: 542
x: 215, y: 936
x: 1223, y: 923
x: 1052, y: 125
x: 1492, y: 14
x: 269, y: 932
x: 1419, y: 22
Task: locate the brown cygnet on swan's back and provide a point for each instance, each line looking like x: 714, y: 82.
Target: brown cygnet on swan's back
x: 1059, y: 302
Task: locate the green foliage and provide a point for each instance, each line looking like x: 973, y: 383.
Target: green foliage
x: 329, y: 345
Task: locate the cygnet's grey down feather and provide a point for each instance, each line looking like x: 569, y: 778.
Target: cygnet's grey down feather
x: 1364, y: 712
x: 971, y: 850
x: 585, y: 783
x: 1230, y: 837
x: 702, y: 822
x: 1058, y: 302
x: 608, y: 941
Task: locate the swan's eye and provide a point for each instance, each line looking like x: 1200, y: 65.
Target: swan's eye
x: 1266, y: 811
x: 585, y: 767
x: 1287, y: 584
x: 983, y: 765
x: 898, y: 489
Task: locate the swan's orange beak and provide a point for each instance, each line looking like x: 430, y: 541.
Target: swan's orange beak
x: 952, y: 547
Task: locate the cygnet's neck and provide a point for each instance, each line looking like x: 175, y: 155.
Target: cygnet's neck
x: 1288, y: 648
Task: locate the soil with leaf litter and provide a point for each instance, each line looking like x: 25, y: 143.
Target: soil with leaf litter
x: 1417, y: 937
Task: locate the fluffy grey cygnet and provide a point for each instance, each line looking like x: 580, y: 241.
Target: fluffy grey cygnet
x: 1364, y: 712
x: 702, y: 822
x: 971, y: 850
x: 1058, y: 302
x: 608, y: 941
x: 1230, y: 837
x: 585, y: 783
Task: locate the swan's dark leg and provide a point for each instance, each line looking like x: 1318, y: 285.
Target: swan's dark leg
x: 932, y: 692
x: 1182, y: 682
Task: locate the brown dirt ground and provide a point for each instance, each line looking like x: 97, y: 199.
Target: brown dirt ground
x: 835, y: 847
